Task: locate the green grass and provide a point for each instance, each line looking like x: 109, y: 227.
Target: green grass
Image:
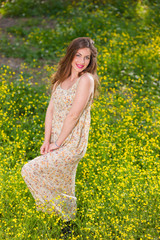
x: 117, y: 182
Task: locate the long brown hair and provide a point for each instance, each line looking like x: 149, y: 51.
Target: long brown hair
x: 64, y: 66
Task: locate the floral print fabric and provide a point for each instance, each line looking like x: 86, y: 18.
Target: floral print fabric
x: 51, y: 177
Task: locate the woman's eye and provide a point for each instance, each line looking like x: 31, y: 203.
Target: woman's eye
x: 77, y: 55
x: 88, y: 57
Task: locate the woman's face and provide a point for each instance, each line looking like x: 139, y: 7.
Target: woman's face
x: 81, y: 59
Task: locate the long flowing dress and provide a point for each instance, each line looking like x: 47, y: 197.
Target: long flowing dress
x: 51, y: 177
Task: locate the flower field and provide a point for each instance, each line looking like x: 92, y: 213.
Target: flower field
x: 118, y: 180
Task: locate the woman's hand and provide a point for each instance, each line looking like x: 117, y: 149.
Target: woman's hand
x: 45, y: 147
x: 52, y: 147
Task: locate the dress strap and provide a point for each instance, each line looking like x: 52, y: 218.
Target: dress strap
x: 78, y: 80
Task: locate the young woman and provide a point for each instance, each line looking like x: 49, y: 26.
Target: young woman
x: 51, y: 176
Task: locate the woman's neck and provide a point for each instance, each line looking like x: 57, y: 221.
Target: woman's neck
x: 73, y: 76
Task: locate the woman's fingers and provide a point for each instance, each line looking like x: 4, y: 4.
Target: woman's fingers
x: 43, y: 149
x: 50, y: 148
x: 46, y: 149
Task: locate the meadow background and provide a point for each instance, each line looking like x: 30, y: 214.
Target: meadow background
x: 118, y: 181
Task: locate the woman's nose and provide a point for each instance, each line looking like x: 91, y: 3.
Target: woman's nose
x: 82, y: 61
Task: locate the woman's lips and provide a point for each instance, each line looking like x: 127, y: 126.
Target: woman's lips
x: 79, y: 66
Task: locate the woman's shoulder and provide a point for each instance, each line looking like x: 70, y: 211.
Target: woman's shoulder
x: 87, y: 81
x: 87, y: 76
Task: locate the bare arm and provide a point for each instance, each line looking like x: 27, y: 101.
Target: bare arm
x: 48, y: 127
x: 48, y: 121
x: 84, y: 90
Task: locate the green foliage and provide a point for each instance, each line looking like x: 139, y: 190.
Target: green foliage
x: 26, y: 8
x: 26, y: 97
x: 128, y: 44
x: 117, y: 182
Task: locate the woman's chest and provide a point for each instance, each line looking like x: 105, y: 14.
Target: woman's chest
x: 63, y: 99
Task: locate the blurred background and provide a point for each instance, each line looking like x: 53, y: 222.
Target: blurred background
x: 117, y: 181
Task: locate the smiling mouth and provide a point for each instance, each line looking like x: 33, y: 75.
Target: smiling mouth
x: 79, y: 66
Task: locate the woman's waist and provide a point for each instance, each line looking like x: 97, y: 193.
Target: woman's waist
x: 72, y: 146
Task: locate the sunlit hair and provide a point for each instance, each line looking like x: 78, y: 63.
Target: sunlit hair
x: 64, y: 66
